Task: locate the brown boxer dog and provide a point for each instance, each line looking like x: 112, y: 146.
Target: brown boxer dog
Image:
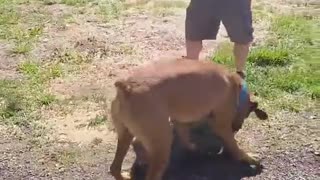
x: 184, y: 90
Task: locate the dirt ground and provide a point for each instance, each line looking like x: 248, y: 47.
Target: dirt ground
x: 288, y: 143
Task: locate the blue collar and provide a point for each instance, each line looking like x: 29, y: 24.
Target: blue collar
x: 243, y: 96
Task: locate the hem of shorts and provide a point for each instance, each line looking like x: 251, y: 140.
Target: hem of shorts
x: 201, y: 39
x: 243, y: 41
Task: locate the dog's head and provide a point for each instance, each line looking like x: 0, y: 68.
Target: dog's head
x: 245, y: 107
x: 244, y: 114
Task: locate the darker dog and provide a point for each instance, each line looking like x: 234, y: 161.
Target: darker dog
x: 184, y: 90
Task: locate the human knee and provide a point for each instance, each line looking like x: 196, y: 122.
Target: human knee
x: 242, y: 44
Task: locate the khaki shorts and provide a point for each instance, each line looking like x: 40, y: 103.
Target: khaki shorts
x: 203, y: 19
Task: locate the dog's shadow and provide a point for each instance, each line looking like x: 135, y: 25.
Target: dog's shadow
x: 204, y: 164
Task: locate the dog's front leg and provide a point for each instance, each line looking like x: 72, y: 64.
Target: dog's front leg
x: 223, y: 129
x: 183, y: 132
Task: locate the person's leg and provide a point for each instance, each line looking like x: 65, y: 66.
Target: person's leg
x: 200, y: 24
x: 193, y: 49
x: 238, y: 23
x: 241, y: 52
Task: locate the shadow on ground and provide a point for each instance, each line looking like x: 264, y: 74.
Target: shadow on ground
x: 204, y: 164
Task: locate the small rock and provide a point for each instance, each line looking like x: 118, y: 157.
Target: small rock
x: 313, y: 117
x: 41, y: 161
x: 96, y: 141
x: 61, y: 169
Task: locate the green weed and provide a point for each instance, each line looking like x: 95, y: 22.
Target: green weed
x: 68, y: 18
x: 167, y: 8
x: 66, y: 62
x: 283, y: 68
x: 22, y: 99
x: 270, y: 56
x: 75, y: 2
x: 22, y: 48
x: 111, y: 9
x: 67, y: 157
x: 21, y: 29
x: 98, y: 120
x: 38, y: 73
x: 170, y: 4
x: 223, y: 54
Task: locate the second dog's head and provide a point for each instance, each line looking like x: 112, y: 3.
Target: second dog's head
x: 245, y: 107
x: 244, y: 114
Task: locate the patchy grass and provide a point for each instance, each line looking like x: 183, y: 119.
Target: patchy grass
x: 67, y: 2
x: 270, y: 56
x: 67, y: 157
x: 97, y: 121
x: 68, y: 18
x: 70, y: 57
x: 21, y: 100
x: 38, y: 73
x: 110, y: 9
x: 75, y: 2
x: 24, y: 39
x: 170, y: 4
x: 282, y: 70
x: 19, y: 27
x: 166, y: 8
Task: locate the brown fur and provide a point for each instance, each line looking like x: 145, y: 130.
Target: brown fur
x: 184, y: 90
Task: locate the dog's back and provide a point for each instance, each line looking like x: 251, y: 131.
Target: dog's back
x: 186, y: 89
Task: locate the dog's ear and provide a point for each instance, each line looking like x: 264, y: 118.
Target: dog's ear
x: 253, y: 106
x: 262, y: 115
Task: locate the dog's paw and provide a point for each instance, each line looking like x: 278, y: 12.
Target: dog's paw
x: 125, y: 175
x: 251, y: 159
x: 255, y: 166
x: 119, y: 175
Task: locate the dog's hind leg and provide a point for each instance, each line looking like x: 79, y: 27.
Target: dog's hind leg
x: 159, y: 149
x: 124, y: 140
